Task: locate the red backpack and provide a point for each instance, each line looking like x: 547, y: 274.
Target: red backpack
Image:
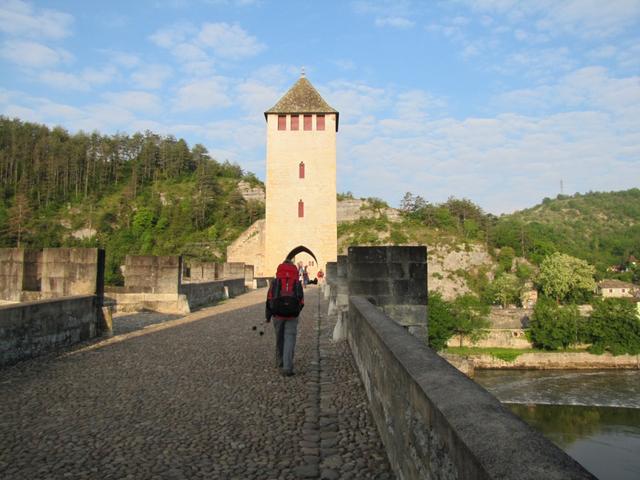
x: 286, y: 294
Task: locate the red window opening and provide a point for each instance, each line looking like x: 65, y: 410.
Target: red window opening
x: 307, y: 122
x: 295, y: 122
x: 300, y: 209
x: 301, y: 170
x: 282, y: 122
x: 320, y: 122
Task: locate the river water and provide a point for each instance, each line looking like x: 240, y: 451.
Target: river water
x: 593, y: 416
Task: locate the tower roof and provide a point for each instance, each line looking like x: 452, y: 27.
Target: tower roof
x: 302, y: 98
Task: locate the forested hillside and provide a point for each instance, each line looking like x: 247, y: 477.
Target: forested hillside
x: 602, y: 228
x: 139, y: 194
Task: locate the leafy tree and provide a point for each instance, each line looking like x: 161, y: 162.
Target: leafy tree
x: 563, y: 277
x: 553, y: 326
x: 505, y: 290
x: 376, y: 204
x: 614, y: 326
x: 19, y: 215
x: 411, y: 203
x: 471, y: 317
x: 441, y: 321
x: 505, y: 259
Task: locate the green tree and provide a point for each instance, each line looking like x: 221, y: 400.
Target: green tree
x: 19, y: 214
x: 505, y: 259
x: 471, y: 317
x: 614, y: 326
x: 441, y: 321
x: 563, y: 277
x: 505, y: 290
x: 553, y: 326
x: 375, y: 204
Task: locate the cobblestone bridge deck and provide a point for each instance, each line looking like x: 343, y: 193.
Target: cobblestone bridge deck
x: 195, y: 397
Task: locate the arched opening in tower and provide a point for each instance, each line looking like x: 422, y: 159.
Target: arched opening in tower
x: 300, y: 249
x: 303, y: 257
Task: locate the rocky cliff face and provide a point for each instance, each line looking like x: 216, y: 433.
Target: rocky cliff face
x: 446, y: 265
x: 251, y: 193
x: 354, y: 209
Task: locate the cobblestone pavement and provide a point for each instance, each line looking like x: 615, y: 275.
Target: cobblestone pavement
x: 196, y: 397
x: 130, y: 322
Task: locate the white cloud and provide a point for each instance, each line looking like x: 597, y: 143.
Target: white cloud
x: 151, y: 76
x: 82, y: 81
x: 396, y: 22
x: 196, y: 48
x: 125, y: 59
x: 135, y: 100
x: 187, y: 52
x: 170, y: 36
x: 20, y: 18
x: 33, y: 54
x: 582, y: 18
x: 585, y: 131
x: 202, y: 95
x: 229, y: 41
x: 256, y: 96
x: 63, y: 80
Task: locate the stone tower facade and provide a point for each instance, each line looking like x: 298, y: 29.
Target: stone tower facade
x: 301, y: 179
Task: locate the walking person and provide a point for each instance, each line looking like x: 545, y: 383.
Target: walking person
x: 285, y: 300
x: 305, y: 277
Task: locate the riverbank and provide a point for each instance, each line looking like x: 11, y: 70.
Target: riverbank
x: 473, y: 359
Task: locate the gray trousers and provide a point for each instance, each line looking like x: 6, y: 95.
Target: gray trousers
x: 286, y: 332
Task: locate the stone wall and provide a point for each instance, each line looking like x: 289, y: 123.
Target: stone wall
x: 151, y: 274
x: 395, y: 278
x: 30, y: 329
x: 510, y: 317
x: 229, y: 270
x: 11, y: 273
x: 200, y: 294
x: 72, y: 271
x: 201, y: 272
x: 250, y: 247
x: 433, y: 420
x: 249, y: 280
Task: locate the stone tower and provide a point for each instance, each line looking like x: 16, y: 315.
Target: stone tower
x: 301, y: 179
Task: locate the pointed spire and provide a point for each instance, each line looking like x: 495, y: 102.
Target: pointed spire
x: 302, y: 74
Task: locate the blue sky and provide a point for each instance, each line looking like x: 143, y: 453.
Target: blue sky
x: 493, y: 100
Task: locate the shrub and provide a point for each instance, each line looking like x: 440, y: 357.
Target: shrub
x: 552, y: 326
x: 441, y: 321
x: 613, y: 326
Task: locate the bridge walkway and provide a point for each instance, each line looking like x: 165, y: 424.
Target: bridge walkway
x: 195, y: 397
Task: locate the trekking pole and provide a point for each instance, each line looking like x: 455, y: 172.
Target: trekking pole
x: 259, y: 328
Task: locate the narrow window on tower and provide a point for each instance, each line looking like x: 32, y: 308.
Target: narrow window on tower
x: 282, y: 122
x: 319, y: 122
x: 301, y: 170
x: 295, y: 122
x: 300, y: 208
x: 307, y: 122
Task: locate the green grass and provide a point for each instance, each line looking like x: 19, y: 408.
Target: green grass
x: 506, y: 354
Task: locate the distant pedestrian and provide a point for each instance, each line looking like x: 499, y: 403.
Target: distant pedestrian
x: 320, y: 276
x: 285, y: 300
x: 305, y: 277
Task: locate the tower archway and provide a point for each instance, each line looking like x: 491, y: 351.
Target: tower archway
x: 300, y: 249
